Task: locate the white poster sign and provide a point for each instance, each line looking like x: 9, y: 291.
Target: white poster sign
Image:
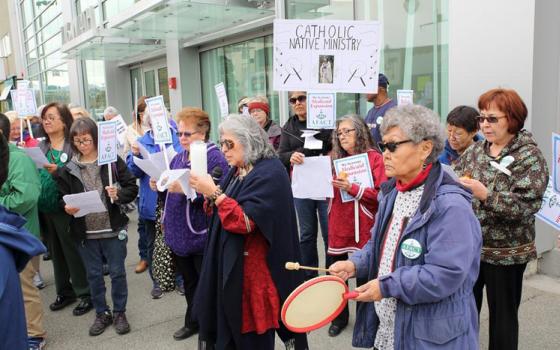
x: 335, y: 56
x: 357, y: 170
x: 321, y: 110
x: 158, y: 118
x: 106, y: 142
x: 550, y: 210
x: 222, y: 99
x: 121, y: 128
x: 405, y: 97
x: 24, y: 102
x: 312, y: 179
x: 556, y: 162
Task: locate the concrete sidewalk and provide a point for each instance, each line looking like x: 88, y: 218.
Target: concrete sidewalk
x: 154, y: 321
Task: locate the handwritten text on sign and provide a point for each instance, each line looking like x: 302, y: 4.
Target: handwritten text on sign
x: 107, y: 142
x: 550, y: 210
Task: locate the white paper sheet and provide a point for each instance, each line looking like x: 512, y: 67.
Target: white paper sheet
x: 312, y: 179
x: 88, y: 203
x: 149, y: 167
x: 121, y: 129
x: 181, y: 175
x: 310, y: 141
x: 37, y: 155
x: 143, y: 151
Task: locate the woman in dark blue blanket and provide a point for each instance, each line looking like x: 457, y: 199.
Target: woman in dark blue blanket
x: 252, y: 233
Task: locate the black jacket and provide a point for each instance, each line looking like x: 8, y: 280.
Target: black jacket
x: 291, y: 141
x: 69, y: 181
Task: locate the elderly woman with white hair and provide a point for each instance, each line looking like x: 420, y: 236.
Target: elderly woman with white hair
x: 424, y: 253
x: 252, y: 233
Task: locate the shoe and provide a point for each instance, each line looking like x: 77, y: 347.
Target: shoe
x: 83, y: 307
x: 335, y: 330
x: 156, y: 292
x: 47, y: 256
x: 102, y: 321
x: 105, y: 269
x: 180, y: 289
x: 61, y: 302
x: 141, y: 266
x: 121, y: 323
x: 184, y: 333
x: 38, y: 281
x: 36, y: 343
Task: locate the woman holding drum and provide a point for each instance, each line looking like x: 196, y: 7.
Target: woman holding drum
x: 420, y: 264
x: 251, y: 235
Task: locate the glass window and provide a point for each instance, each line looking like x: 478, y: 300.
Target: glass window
x: 150, y: 83
x: 245, y: 69
x: 27, y: 12
x: 96, y: 99
x: 114, y: 7
x: 163, y: 87
x: 136, y: 74
x: 55, y: 85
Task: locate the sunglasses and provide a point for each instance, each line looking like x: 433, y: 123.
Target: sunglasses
x: 185, y: 133
x: 391, y: 146
x: 492, y: 119
x: 300, y: 99
x: 229, y: 144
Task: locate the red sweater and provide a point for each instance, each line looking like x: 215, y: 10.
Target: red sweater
x: 260, y: 304
x: 341, y: 215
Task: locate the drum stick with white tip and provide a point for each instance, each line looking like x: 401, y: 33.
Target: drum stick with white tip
x: 296, y: 266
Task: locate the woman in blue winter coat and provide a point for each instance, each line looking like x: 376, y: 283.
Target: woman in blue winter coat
x: 423, y: 257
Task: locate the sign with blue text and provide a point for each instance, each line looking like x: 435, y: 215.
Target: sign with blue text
x: 158, y: 119
x: 106, y: 142
x: 357, y: 171
x: 321, y: 110
x: 550, y: 209
x: 556, y: 162
x: 326, y: 55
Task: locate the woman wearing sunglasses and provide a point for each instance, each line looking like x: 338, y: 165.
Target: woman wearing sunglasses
x: 352, y: 137
x: 252, y: 234
x: 184, y: 219
x: 423, y: 256
x: 292, y: 152
x: 508, y: 175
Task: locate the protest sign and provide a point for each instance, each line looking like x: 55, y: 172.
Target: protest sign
x: 121, y: 128
x: 357, y: 169
x: 405, y: 97
x: 24, y: 102
x: 312, y: 178
x: 321, y: 110
x: 158, y: 119
x: 106, y: 142
x: 550, y: 209
x: 222, y: 99
x: 337, y: 56
x: 556, y: 162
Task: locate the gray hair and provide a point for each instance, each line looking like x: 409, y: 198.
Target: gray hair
x: 418, y: 123
x: 110, y: 111
x: 364, y: 141
x: 250, y: 135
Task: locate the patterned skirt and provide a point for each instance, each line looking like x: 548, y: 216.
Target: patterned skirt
x: 163, y: 267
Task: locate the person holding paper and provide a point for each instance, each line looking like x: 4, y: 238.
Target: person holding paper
x: 381, y: 104
x: 20, y: 193
x: 292, y: 151
x: 252, y: 234
x: 352, y: 137
x: 69, y: 272
x: 260, y: 110
x: 462, y: 131
x: 148, y: 197
x: 423, y: 256
x: 508, y: 175
x: 184, y: 219
x: 100, y: 235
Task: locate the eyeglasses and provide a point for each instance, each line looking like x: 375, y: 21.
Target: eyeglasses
x: 344, y: 132
x: 51, y: 118
x: 229, y: 144
x: 391, y: 146
x: 185, y: 133
x: 300, y: 99
x: 492, y: 119
x: 83, y: 142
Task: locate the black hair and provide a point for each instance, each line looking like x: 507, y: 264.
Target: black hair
x: 4, y: 158
x: 83, y: 126
x: 463, y: 117
x: 65, y: 116
x: 5, y: 125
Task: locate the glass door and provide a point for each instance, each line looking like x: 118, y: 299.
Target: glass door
x: 152, y: 81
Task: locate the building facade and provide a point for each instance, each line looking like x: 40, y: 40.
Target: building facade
x: 96, y: 53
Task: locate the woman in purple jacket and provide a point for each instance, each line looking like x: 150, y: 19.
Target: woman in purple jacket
x: 185, y: 222
x: 424, y: 253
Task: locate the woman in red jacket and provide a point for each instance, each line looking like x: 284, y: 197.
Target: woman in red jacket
x: 352, y: 137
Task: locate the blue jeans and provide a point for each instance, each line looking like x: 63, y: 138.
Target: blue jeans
x: 307, y: 211
x: 150, y: 234
x: 142, y: 240
x: 114, y: 250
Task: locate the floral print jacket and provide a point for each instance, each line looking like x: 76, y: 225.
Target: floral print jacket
x: 507, y: 216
